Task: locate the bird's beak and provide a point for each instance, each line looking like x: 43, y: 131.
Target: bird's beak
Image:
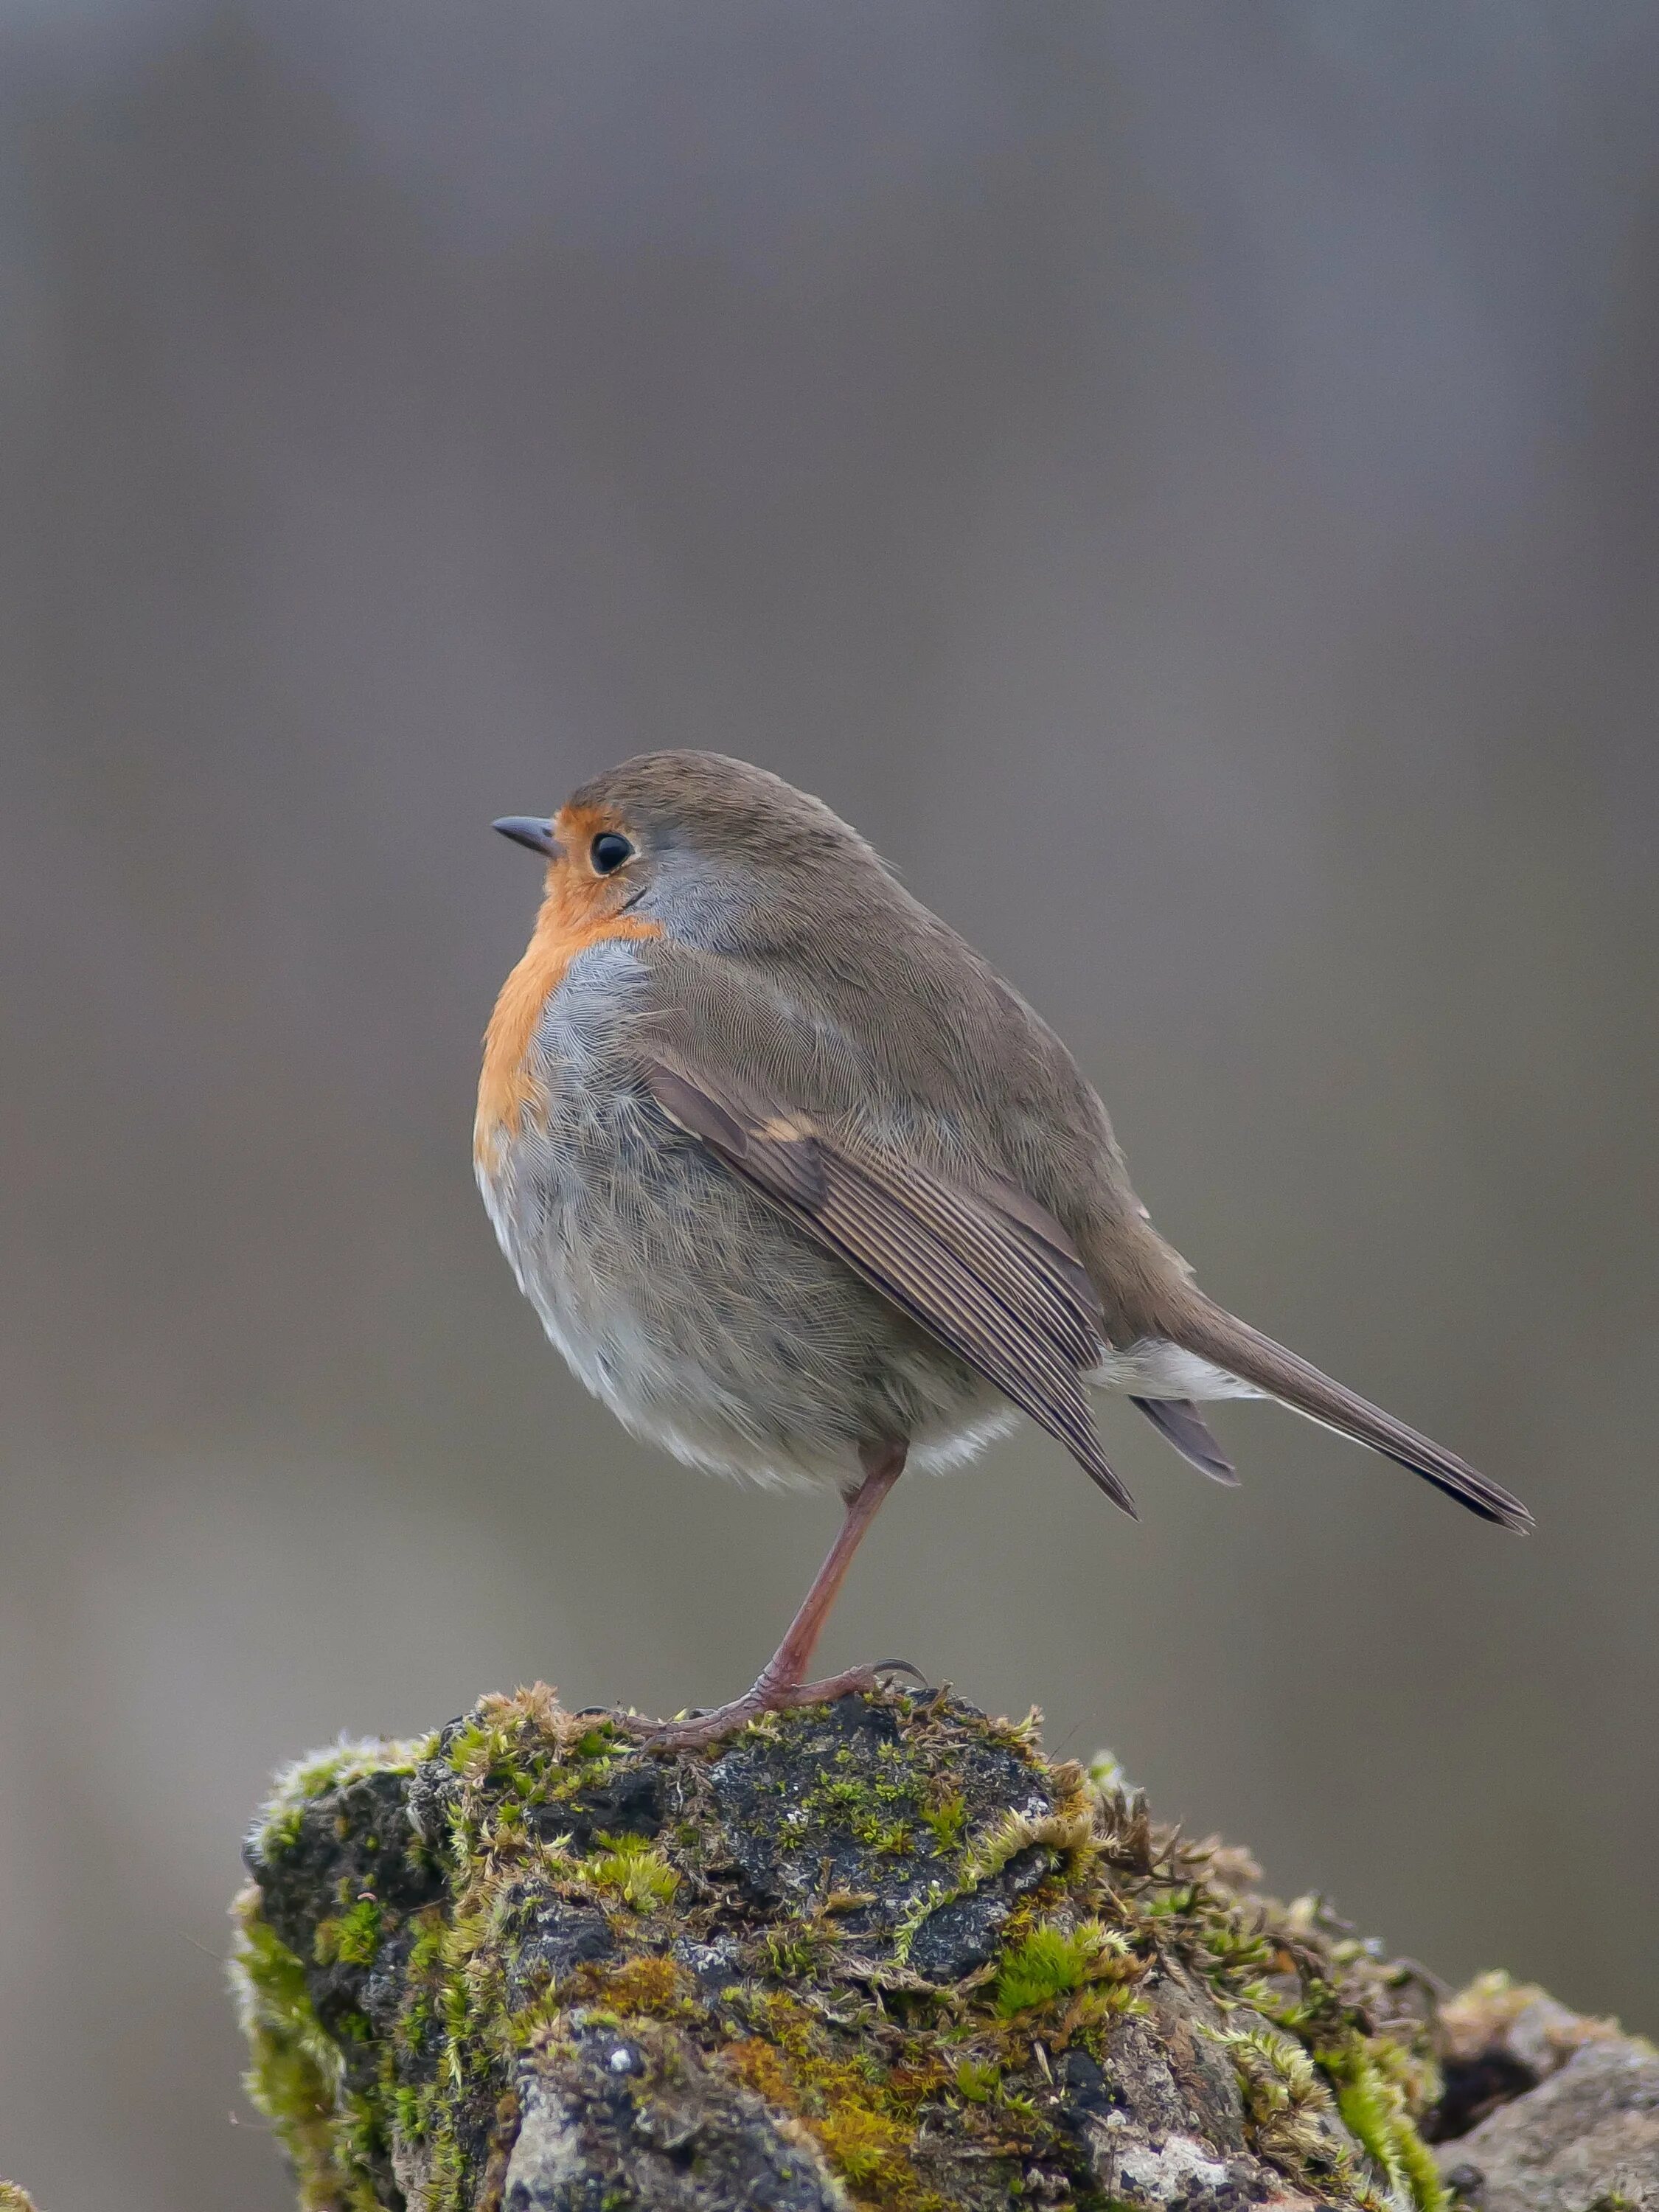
x: 534, y: 830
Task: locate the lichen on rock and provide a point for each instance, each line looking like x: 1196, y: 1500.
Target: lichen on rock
x: 881, y: 1954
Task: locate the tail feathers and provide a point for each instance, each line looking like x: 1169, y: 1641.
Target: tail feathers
x: 1179, y: 1422
x: 1220, y: 1337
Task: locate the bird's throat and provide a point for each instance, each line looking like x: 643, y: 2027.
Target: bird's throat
x: 567, y: 926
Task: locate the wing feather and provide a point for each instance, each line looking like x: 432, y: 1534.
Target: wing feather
x: 991, y: 1276
x: 1179, y: 1422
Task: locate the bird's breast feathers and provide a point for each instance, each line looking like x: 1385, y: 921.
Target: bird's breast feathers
x: 567, y: 926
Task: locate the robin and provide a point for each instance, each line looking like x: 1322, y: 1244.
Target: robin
x: 805, y: 1192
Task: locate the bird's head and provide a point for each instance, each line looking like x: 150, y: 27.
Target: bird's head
x: 710, y: 850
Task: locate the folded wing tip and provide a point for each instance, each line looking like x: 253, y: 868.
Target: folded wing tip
x: 1104, y: 1477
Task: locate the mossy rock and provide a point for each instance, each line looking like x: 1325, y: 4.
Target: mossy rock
x: 879, y: 1954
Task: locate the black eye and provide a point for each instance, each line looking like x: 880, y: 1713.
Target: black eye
x: 608, y: 851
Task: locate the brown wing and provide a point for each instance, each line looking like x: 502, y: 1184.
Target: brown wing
x: 992, y: 1275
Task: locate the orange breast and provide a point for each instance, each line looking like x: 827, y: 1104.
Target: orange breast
x: 571, y: 918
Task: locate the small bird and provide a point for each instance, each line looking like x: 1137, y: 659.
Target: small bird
x: 804, y: 1192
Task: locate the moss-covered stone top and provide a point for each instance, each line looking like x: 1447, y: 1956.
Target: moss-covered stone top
x: 880, y: 1954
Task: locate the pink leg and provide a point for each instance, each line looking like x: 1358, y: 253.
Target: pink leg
x: 782, y: 1682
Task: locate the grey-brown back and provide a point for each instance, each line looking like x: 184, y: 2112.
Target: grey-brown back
x: 882, y: 1017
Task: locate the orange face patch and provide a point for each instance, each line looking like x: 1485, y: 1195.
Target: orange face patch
x: 579, y: 909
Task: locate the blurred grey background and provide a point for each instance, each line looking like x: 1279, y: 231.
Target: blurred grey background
x: 1183, y: 480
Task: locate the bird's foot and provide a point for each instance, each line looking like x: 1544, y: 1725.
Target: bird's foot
x: 698, y: 1730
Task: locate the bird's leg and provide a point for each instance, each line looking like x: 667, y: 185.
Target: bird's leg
x: 782, y: 1682
x: 784, y: 1675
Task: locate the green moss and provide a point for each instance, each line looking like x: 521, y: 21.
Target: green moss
x: 977, y: 2083
x: 1106, y: 1775
x: 946, y: 1820
x: 634, y: 1870
x: 353, y: 1938
x: 881, y: 1810
x: 294, y: 2072
x: 1429, y: 2191
x: 797, y: 1952
x: 1053, y: 1962
x: 1372, y: 2096
x: 281, y: 1832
